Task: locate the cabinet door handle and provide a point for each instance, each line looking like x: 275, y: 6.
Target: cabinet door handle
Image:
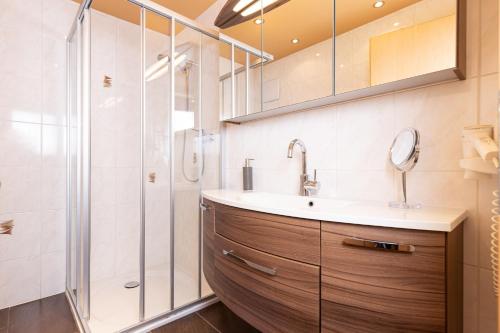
x: 204, y: 206
x: 260, y: 268
x: 378, y: 245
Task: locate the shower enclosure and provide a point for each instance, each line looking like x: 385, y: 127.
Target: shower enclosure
x: 143, y: 140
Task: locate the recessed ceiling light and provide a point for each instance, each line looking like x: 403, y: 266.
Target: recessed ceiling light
x: 258, y: 21
x: 295, y: 41
x: 396, y: 24
x: 317, y: 54
x: 378, y: 4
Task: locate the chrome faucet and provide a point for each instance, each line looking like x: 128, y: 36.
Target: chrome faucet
x: 307, y: 187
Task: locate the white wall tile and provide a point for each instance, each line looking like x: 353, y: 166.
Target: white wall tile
x: 488, y: 313
x: 485, y: 198
x: 488, y: 100
x: 57, y: 17
x: 53, y: 273
x: 54, y: 97
x: 372, y: 185
x: 25, y: 239
x: 53, y: 231
x: 53, y: 146
x: 21, y: 189
x: 439, y: 113
x: 361, y: 124
x: 53, y: 188
x: 20, y: 144
x: 20, y: 97
x: 19, y: 281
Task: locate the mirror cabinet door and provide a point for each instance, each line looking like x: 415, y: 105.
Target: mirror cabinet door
x: 246, y: 51
x: 378, y: 42
x: 226, y: 100
x: 298, y: 33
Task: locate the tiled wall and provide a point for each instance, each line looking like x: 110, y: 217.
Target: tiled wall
x: 32, y: 149
x: 348, y: 144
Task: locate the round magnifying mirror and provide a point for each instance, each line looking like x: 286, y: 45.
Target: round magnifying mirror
x: 403, y: 156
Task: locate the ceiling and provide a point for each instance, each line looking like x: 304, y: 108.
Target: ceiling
x: 123, y: 9
x: 294, y: 19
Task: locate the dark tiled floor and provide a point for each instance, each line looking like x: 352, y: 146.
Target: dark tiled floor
x: 48, y: 315
x: 224, y: 320
x: 214, y: 319
x: 53, y: 315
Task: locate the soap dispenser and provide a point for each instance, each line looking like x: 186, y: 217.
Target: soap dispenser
x: 248, y: 175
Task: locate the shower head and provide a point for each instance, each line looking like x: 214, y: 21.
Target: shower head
x: 161, y: 66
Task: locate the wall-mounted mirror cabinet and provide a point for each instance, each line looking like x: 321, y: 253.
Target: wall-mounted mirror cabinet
x: 329, y: 51
x: 240, y: 64
x: 299, y: 36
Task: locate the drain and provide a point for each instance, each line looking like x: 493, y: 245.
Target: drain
x: 131, y: 284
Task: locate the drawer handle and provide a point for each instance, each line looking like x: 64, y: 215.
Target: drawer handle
x: 377, y: 245
x: 260, y: 268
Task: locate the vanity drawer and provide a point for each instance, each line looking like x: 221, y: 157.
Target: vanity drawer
x: 288, y: 237
x: 341, y: 318
x: 273, y: 293
x: 374, y: 290
x: 421, y: 270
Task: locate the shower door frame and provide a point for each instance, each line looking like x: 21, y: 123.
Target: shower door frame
x: 80, y: 303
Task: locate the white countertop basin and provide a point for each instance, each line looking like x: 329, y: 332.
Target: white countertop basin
x: 344, y: 211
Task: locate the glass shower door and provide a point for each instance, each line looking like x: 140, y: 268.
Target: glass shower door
x: 115, y: 155
x: 188, y: 165
x: 157, y: 103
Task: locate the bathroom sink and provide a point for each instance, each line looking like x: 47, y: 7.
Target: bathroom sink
x: 338, y: 210
x: 292, y: 201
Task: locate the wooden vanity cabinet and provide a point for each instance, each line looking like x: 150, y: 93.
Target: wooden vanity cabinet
x: 285, y: 274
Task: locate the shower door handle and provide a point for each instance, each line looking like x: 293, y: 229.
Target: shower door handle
x: 260, y: 268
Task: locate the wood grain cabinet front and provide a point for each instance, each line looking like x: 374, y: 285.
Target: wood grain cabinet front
x: 287, y: 237
x: 284, y: 274
x: 376, y: 279
x: 274, y: 294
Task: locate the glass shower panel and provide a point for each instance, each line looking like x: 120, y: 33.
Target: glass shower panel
x: 157, y: 164
x: 115, y: 129
x: 189, y: 162
x: 72, y: 136
x: 210, y: 176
